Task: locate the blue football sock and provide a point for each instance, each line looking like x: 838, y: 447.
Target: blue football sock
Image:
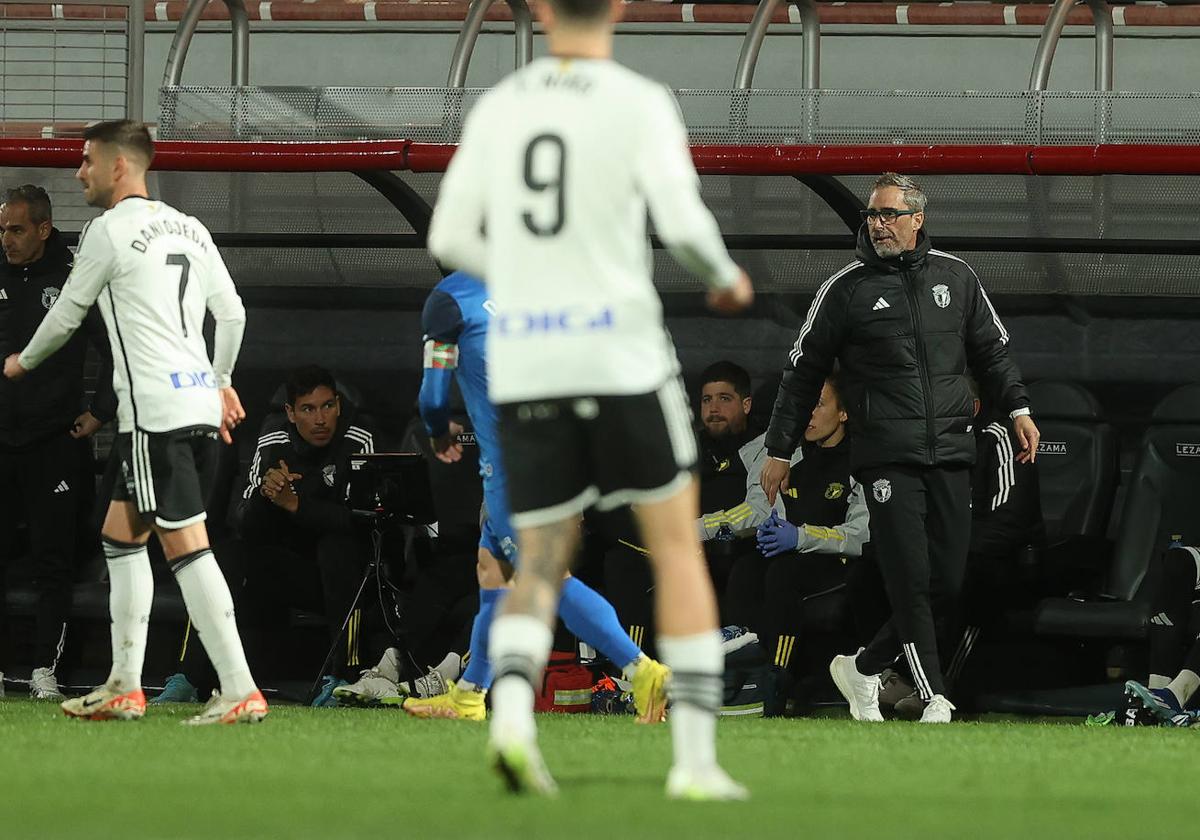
x: 479, y: 667
x: 589, y: 616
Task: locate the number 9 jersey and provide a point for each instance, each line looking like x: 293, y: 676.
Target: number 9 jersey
x: 154, y: 272
x: 559, y: 164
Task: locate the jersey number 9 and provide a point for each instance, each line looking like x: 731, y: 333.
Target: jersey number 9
x: 552, y: 161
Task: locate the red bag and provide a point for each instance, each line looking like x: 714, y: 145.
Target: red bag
x: 566, y: 685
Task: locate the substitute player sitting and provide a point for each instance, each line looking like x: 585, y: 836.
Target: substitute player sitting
x: 154, y: 271
x: 560, y: 163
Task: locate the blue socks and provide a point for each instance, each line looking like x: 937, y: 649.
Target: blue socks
x: 585, y: 612
x: 592, y: 618
x: 479, y: 668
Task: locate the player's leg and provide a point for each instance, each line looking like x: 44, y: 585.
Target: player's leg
x: 520, y: 645
x: 550, y: 483
x: 179, y: 468
x: 54, y: 495
x: 131, y: 592
x: 653, y: 433
x: 948, y: 525
x: 689, y: 643
x: 464, y: 699
x: 1175, y: 621
x: 896, y: 499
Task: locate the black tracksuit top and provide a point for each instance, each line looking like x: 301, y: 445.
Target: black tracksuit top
x: 905, y: 330
x: 46, y: 401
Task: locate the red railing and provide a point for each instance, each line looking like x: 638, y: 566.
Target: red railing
x: 405, y: 155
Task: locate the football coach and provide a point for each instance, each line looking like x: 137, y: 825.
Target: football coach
x: 906, y: 322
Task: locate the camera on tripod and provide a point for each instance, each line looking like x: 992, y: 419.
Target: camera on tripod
x: 389, y: 487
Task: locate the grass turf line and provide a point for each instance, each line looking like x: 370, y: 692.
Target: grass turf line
x: 351, y: 773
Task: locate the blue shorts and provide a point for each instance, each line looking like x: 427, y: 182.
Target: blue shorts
x: 496, y: 533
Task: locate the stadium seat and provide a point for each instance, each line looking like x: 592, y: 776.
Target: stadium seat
x: 1163, y: 496
x: 1077, y: 460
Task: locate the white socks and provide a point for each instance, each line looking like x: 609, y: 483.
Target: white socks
x: 131, y: 591
x: 518, y: 647
x: 1184, y: 685
x: 210, y: 606
x: 697, y: 665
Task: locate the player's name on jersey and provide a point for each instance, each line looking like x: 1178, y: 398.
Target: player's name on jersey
x: 568, y: 82
x: 167, y: 227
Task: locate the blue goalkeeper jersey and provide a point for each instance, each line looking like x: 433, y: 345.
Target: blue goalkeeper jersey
x: 455, y: 323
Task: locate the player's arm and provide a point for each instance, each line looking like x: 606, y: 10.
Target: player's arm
x: 222, y: 300
x: 90, y: 274
x: 456, y: 238
x: 442, y: 324
x: 754, y: 456
x: 847, y: 538
x: 253, y: 510
x: 667, y: 179
x: 104, y: 402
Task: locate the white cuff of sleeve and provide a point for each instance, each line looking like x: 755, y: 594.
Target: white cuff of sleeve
x: 787, y: 461
x: 224, y: 380
x: 1020, y: 412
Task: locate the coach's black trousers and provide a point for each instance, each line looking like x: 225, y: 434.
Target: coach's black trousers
x: 921, y: 530
x: 43, y: 484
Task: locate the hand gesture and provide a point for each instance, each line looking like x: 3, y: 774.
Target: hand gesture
x: 277, y: 487
x: 733, y: 299
x: 777, y: 536
x: 12, y: 367
x: 1028, y: 437
x: 85, y: 425
x: 774, y: 478
x: 232, y: 413
x: 446, y: 448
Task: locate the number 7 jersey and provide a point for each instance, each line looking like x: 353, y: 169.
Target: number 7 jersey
x: 154, y: 272
x: 560, y: 165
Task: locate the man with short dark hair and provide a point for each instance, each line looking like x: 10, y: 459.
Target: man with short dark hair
x: 44, y: 457
x: 174, y: 403
x: 300, y: 545
x: 906, y: 322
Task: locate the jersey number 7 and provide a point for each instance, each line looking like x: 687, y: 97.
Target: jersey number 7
x: 185, y: 269
x: 555, y: 155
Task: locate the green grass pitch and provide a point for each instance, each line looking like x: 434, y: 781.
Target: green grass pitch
x: 350, y: 773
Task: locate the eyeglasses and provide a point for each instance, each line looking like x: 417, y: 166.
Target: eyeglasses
x: 887, y: 215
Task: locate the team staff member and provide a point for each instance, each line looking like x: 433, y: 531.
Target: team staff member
x: 43, y: 449
x: 906, y: 323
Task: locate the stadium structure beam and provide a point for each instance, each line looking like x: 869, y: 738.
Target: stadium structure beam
x: 399, y: 155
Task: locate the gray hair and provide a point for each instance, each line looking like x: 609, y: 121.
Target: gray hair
x: 914, y: 197
x: 34, y: 197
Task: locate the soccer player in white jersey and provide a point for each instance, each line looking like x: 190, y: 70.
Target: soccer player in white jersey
x: 559, y: 164
x: 154, y: 271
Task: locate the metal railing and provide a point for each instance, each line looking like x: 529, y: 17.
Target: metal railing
x: 239, y: 73
x: 56, y: 72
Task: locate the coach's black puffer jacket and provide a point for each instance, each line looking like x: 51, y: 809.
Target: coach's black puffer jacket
x: 905, y: 331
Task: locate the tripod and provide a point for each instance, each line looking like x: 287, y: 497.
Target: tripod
x: 380, y: 522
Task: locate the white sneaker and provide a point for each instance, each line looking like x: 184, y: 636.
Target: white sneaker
x: 372, y: 689
x: 43, y: 685
x: 710, y: 785
x: 937, y: 710
x: 861, y: 692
